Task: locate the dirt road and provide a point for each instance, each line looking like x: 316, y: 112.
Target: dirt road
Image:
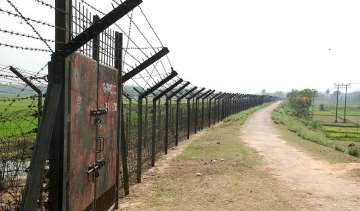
x: 324, y: 187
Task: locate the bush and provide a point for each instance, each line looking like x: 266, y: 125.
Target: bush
x: 316, y: 125
x: 339, y: 148
x: 306, y: 129
x: 301, y: 101
x: 354, y: 151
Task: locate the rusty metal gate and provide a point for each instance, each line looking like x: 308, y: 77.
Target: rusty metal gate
x: 92, y: 135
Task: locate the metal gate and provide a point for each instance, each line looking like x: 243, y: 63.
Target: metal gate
x: 92, y: 135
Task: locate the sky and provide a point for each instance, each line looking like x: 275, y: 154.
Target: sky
x: 246, y: 46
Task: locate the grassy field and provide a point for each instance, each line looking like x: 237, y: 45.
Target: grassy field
x: 322, y: 129
x: 348, y: 131
x: 215, y: 172
x: 16, y: 118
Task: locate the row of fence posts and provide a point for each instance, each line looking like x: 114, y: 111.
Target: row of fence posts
x: 50, y: 140
x: 225, y: 104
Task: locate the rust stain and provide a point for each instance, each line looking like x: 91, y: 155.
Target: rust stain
x: 82, y: 138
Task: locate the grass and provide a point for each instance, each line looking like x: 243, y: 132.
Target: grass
x: 341, y: 131
x: 339, y: 138
x: 215, y: 172
x: 16, y: 118
x: 17, y: 125
x: 316, y: 150
x: 199, y: 150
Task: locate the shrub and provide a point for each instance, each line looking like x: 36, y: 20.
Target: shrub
x: 339, y: 148
x: 354, y: 151
x: 316, y: 125
x: 301, y: 101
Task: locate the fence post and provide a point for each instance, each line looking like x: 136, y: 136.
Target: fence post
x: 177, y: 123
x: 202, y: 113
x: 140, y: 140
x: 196, y: 101
x: 177, y: 109
x: 153, y: 136
x: 121, y: 143
x: 166, y: 126
x: 218, y: 110
x: 159, y: 96
x: 188, y: 117
x: 209, y: 113
x: 196, y: 114
x: 203, y: 98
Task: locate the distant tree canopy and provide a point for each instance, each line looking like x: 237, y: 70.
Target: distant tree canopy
x: 300, y: 101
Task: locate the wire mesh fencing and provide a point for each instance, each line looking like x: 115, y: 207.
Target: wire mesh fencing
x: 156, y: 114
x: 20, y: 112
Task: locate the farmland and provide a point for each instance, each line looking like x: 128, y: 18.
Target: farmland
x: 321, y: 128
x: 17, y: 117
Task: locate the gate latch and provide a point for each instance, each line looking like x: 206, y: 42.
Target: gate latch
x: 99, y: 112
x: 93, y: 170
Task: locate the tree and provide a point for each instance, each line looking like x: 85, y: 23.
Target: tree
x: 327, y: 91
x: 301, y: 101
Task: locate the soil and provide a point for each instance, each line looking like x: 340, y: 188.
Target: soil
x: 254, y: 168
x: 328, y: 186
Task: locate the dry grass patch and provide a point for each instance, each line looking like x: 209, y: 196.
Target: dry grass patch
x: 215, y: 172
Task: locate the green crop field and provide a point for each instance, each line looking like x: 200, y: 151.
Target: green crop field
x: 16, y: 118
x: 348, y: 131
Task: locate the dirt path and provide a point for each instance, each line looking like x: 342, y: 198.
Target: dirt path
x: 326, y: 188
x: 213, y: 171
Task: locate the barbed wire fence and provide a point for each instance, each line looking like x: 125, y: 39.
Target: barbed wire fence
x: 22, y: 90
x: 158, y: 108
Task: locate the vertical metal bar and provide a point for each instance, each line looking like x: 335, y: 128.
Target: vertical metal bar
x: 153, y: 143
x: 122, y: 143
x: 140, y: 141
x: 202, y: 113
x: 177, y: 123
x: 209, y: 112
x: 346, y: 93
x: 96, y: 43
x: 118, y: 58
x: 196, y: 114
x: 146, y: 122
x: 159, y: 122
x: 188, y: 117
x: 58, y: 150
x: 166, y: 126
x: 96, y: 57
x: 218, y: 110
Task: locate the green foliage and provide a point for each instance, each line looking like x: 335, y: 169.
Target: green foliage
x: 306, y: 129
x: 17, y: 119
x: 354, y: 151
x: 314, y: 131
x: 301, y: 101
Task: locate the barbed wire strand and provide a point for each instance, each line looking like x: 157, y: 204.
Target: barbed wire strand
x: 29, y: 24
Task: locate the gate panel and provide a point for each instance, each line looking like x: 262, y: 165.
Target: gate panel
x: 105, y: 187
x: 91, y: 136
x: 83, y: 79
